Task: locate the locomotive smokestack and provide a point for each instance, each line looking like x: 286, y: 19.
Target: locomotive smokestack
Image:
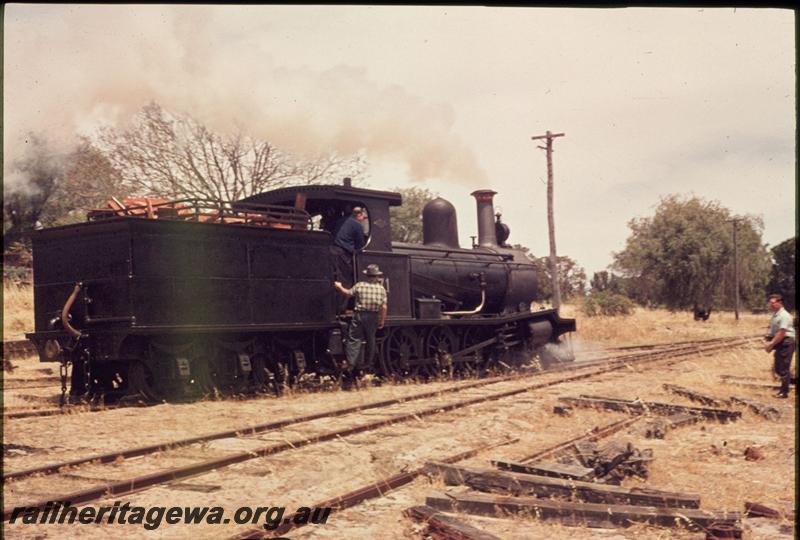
x: 486, y: 232
x: 347, y: 182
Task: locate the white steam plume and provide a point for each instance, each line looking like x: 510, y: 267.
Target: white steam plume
x: 69, y: 69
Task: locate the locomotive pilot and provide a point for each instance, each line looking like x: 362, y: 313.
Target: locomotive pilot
x: 371, y: 306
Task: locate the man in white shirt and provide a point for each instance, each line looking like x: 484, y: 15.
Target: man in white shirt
x: 781, y: 339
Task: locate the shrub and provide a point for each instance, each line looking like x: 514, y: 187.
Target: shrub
x: 607, y: 303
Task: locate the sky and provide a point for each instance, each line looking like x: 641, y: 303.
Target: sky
x: 652, y: 101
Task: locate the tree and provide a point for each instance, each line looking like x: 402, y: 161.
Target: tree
x: 407, y: 219
x: 683, y: 255
x: 607, y: 303
x: 571, y: 276
x: 600, y: 281
x: 50, y: 187
x: 605, y: 281
x: 784, y: 268
x: 174, y: 156
x: 88, y: 181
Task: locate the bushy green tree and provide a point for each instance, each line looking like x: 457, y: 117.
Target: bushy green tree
x: 784, y: 268
x: 607, y: 303
x: 607, y: 281
x: 407, y: 219
x: 683, y: 255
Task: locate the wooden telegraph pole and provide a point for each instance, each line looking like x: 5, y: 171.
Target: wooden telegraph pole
x: 736, y: 264
x: 550, y: 221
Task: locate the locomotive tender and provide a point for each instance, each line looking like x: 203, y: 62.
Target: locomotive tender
x: 185, y: 297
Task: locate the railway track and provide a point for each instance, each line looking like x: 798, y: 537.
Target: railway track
x: 18, y: 348
x: 28, y: 383
x: 12, y: 413
x: 396, y: 411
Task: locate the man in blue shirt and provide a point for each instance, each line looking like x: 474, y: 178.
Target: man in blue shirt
x: 348, y: 238
x: 350, y: 235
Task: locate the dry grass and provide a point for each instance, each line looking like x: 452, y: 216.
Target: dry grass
x: 661, y: 326
x: 17, y: 310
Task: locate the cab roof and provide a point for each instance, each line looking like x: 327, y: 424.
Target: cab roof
x: 286, y: 196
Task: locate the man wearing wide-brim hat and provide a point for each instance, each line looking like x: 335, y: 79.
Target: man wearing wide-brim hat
x: 371, y: 305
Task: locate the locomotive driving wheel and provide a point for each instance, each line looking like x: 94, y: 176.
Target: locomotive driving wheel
x: 440, y: 343
x: 472, y: 363
x: 400, y: 354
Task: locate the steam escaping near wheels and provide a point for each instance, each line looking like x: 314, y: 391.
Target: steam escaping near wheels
x: 552, y: 354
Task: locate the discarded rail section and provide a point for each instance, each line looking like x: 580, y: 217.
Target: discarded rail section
x: 580, y: 489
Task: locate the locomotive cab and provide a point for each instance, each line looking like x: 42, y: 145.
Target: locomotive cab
x: 329, y: 204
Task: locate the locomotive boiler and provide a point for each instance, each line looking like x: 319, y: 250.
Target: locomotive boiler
x: 162, y: 298
x: 489, y: 278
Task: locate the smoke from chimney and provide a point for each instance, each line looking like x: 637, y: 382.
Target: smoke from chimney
x: 76, y: 67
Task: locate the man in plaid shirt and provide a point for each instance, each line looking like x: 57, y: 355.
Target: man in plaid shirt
x: 370, y: 315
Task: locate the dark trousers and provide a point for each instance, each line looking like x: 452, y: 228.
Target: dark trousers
x: 342, y: 266
x: 362, y: 330
x: 783, y: 361
x: 343, y: 272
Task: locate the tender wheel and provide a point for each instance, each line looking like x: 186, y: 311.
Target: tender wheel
x: 202, y: 376
x: 440, y: 343
x: 141, y: 382
x: 400, y: 355
x: 260, y: 376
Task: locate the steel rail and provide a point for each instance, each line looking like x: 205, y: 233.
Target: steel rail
x: 17, y: 348
x: 393, y: 482
x: 247, y: 430
x: 260, y: 428
x: 138, y: 483
x: 14, y: 384
x: 28, y: 413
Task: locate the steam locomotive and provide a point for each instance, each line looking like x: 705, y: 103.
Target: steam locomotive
x: 165, y: 298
